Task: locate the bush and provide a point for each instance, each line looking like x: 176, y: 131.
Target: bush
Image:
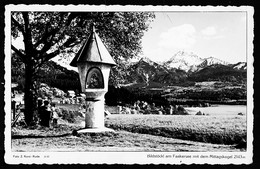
x: 199, y: 113
x: 180, y: 111
x: 69, y: 115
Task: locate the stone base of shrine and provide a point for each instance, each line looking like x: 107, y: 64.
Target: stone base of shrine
x: 93, y: 130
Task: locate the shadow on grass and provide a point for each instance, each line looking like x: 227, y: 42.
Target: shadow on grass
x: 227, y: 138
x: 187, y: 144
x: 34, y: 136
x: 73, y: 133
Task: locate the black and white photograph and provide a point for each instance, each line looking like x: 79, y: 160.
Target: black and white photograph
x: 128, y: 84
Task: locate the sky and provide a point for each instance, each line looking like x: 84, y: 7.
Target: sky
x: 207, y: 34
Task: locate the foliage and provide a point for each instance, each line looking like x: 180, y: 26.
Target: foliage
x: 69, y: 115
x: 187, y: 96
x: 214, y: 95
x: 181, y: 111
x: 17, y: 71
x: 69, y: 112
x: 124, y: 95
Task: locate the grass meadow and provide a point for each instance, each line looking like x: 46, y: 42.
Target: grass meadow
x: 216, y: 129
x: 208, y: 129
x: 136, y: 132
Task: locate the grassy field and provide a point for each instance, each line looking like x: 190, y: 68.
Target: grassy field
x: 60, y: 139
x: 216, y: 129
x: 136, y: 133
x: 209, y: 129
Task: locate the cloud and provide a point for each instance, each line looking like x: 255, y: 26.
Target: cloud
x: 209, y: 31
x: 180, y: 37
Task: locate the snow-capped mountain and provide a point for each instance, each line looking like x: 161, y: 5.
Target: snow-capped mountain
x: 149, y: 72
x: 240, y: 66
x: 212, y: 61
x: 189, y: 61
x: 184, y: 61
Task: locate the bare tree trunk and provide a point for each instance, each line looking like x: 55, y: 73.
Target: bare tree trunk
x: 28, y: 94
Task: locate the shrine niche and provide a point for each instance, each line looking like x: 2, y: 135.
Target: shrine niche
x: 94, y: 79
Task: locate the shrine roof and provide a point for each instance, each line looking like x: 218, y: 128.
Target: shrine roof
x: 93, y: 50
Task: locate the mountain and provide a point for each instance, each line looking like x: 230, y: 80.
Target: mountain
x: 211, y: 61
x: 184, y: 61
x: 150, y: 73
x: 50, y: 73
x: 146, y: 71
x: 240, y: 66
x: 190, y: 62
x: 58, y: 76
x: 219, y: 72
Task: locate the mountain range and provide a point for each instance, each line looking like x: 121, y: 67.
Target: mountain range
x: 186, y: 67
x: 191, y: 62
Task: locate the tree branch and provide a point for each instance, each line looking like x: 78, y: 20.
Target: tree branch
x: 16, y: 23
x: 71, y: 17
x: 47, y: 46
x: 46, y: 58
x: 27, y: 33
x: 47, y: 33
x: 51, y: 55
x: 71, y: 41
x: 18, y: 52
x: 45, y: 36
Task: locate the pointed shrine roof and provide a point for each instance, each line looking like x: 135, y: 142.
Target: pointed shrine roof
x: 93, y: 50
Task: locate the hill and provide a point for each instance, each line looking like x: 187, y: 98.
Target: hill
x: 218, y: 72
x: 50, y: 73
x: 57, y: 76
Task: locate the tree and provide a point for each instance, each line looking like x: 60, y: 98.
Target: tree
x: 17, y: 71
x: 49, y: 34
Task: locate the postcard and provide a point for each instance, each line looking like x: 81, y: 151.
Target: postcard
x: 111, y: 84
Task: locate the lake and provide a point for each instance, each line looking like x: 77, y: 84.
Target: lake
x: 218, y: 109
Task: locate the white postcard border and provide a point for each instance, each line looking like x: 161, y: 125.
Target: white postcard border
x: 127, y: 157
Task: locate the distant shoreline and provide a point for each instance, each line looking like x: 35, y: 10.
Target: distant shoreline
x: 204, y: 103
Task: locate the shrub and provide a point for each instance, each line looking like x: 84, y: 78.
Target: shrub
x: 68, y: 115
x: 180, y: 111
x: 199, y: 113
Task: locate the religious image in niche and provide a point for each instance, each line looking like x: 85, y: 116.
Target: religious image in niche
x: 94, y: 82
x: 94, y: 79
